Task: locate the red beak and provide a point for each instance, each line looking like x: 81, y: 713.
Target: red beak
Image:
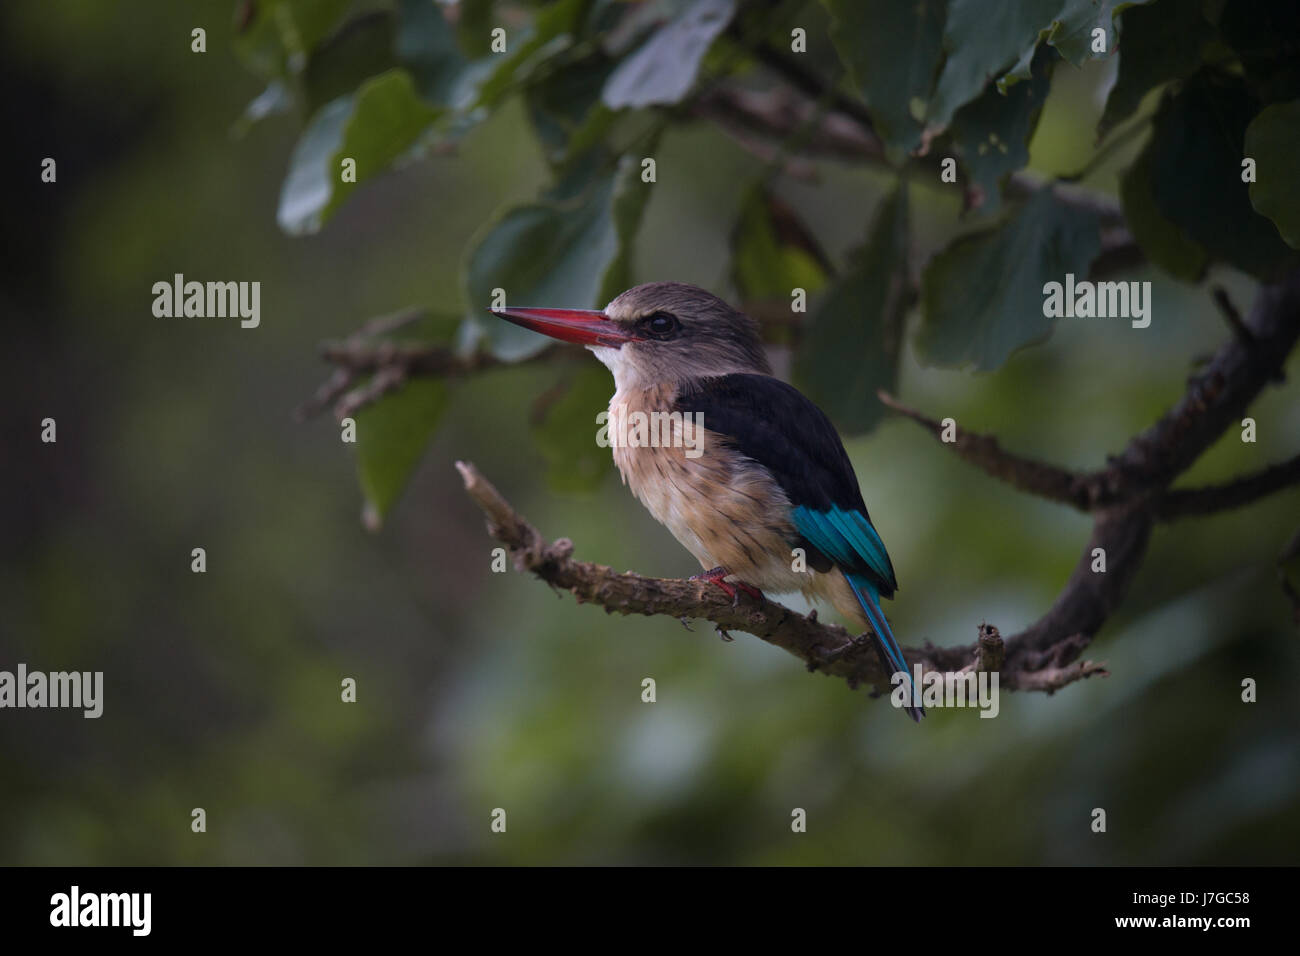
x: 583, y: 326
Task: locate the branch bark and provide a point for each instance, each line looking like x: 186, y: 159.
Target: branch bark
x: 828, y: 648
x: 1203, y: 501
x: 366, y: 370
x: 984, y: 452
x: 1087, y: 491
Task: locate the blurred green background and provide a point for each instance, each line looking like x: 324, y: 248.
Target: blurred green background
x: 480, y: 690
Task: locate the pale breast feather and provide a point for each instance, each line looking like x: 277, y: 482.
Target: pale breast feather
x: 720, y: 505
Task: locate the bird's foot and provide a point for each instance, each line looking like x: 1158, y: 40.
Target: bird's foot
x: 716, y: 576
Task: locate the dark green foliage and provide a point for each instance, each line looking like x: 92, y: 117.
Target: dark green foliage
x: 602, y: 82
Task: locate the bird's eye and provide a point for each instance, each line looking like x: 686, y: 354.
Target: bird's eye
x: 661, y: 325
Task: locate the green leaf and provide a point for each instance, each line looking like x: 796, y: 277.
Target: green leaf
x: 1071, y: 30
x: 1266, y: 35
x: 852, y: 343
x: 551, y: 33
x: 663, y: 68
x: 360, y: 49
x: 1162, y: 241
x: 983, y: 295
x: 997, y: 41
x: 1071, y: 34
x: 773, y: 252
x: 277, y: 98
x: 281, y: 35
x: 983, y: 40
x: 308, y: 185
x: 627, y: 210
x: 1198, y: 141
x: 435, y: 52
x: 891, y: 50
x: 566, y: 432
x: 392, y: 435
x: 1273, y: 141
x: 568, y: 250
x: 623, y: 25
x: 565, y: 107
x: 382, y: 121
x: 1162, y: 42
x: 426, y: 46
x: 991, y: 134
x: 474, y: 27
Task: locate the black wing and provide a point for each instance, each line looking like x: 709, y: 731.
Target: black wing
x: 777, y: 426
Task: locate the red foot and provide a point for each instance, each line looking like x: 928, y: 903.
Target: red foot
x: 717, y: 574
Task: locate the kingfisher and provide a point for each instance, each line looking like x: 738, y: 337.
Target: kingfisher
x: 764, y: 496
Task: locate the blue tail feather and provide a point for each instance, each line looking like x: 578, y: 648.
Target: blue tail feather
x: 891, y: 655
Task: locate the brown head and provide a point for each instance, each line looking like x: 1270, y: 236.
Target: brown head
x: 657, y: 333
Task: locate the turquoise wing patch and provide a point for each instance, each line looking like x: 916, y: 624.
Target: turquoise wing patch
x: 846, y: 537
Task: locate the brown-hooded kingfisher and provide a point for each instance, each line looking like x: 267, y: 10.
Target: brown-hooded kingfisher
x: 768, y: 474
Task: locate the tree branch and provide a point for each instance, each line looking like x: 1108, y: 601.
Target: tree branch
x: 818, y: 645
x: 1024, y: 474
x: 388, y: 365
x: 822, y: 647
x: 1202, y: 501
x: 1130, y: 494
x: 1219, y: 394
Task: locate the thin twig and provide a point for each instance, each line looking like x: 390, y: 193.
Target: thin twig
x: 1035, y: 477
x: 1231, y: 315
x: 1183, y: 502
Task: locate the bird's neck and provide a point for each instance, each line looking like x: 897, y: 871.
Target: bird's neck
x: 636, y: 396
x: 639, y: 374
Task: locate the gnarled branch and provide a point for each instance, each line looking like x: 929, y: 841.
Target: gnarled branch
x: 822, y: 647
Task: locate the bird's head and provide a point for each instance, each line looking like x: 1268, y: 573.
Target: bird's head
x: 656, y: 333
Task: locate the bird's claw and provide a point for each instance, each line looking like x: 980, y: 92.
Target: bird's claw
x: 716, y: 576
